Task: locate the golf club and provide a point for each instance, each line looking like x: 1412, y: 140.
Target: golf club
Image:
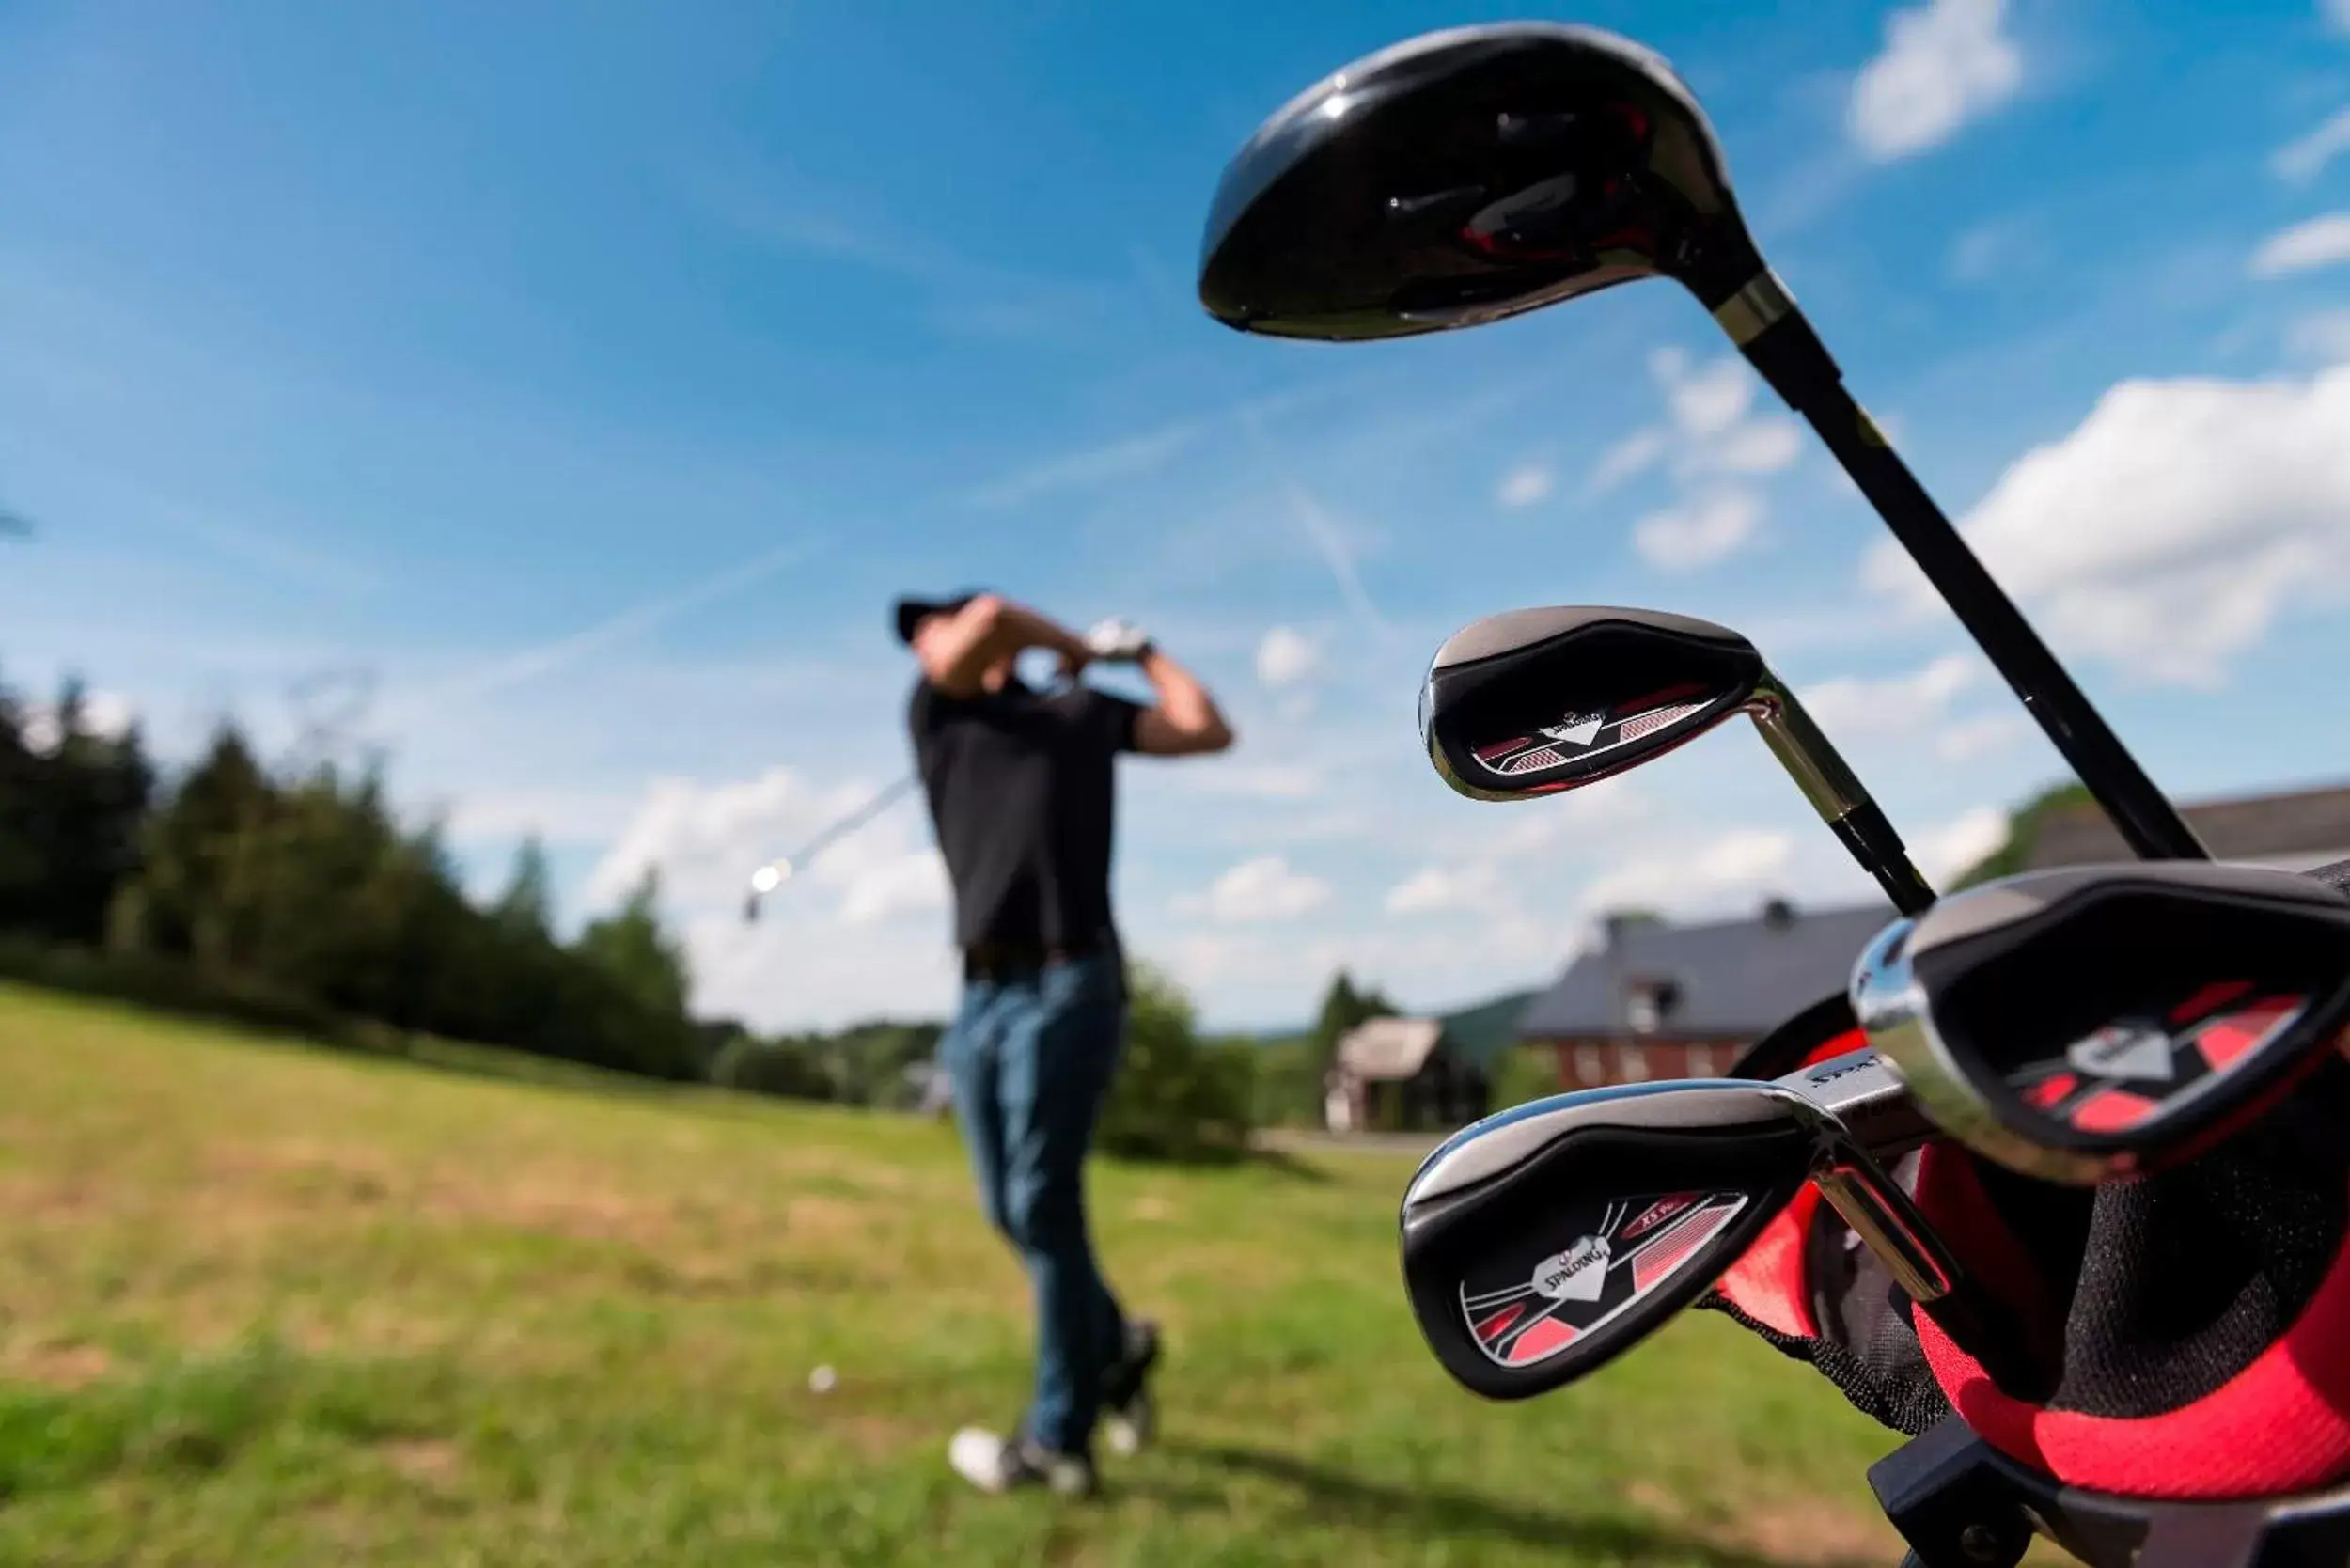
x: 2094, y: 1023
x: 1530, y: 702
x: 1542, y: 1242
x: 1478, y: 173
x: 774, y: 873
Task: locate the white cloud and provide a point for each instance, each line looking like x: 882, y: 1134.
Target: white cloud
x: 1287, y: 657
x: 1766, y: 445
x: 1915, y: 707
x: 1258, y: 892
x: 2307, y: 157
x: 556, y: 814
x: 1628, y: 459
x: 2175, y: 525
x: 705, y: 839
x: 1699, y: 532
x: 1252, y: 780
x: 106, y: 714
x: 860, y: 932
x: 2323, y: 339
x: 1743, y: 861
x: 2321, y: 242
x: 1889, y: 705
x: 1715, y: 432
x: 1987, y: 736
x: 2336, y: 14
x: 1944, y: 63
x: 1709, y: 401
x: 1944, y: 852
x: 1526, y: 484
x: 1471, y: 888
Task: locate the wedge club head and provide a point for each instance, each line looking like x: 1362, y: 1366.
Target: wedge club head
x: 1541, y: 1242
x: 1532, y: 702
x: 2093, y: 1022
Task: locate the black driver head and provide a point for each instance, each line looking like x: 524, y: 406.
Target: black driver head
x: 1544, y: 1242
x: 2097, y: 1022
x: 1467, y: 175
x: 1530, y: 702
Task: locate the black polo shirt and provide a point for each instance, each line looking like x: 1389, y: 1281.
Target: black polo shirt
x: 1022, y: 788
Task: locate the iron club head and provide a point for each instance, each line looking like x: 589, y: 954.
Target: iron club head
x: 2092, y: 1023
x: 1532, y: 702
x: 1544, y: 1242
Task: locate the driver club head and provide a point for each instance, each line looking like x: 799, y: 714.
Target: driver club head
x: 1530, y: 702
x: 2093, y: 1022
x: 1472, y: 174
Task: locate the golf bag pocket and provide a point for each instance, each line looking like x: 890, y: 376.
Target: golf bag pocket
x: 2205, y: 1312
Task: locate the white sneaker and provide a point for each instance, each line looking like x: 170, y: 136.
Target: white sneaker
x: 996, y: 1465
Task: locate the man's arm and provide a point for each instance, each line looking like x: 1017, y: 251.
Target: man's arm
x: 955, y: 650
x: 1185, y: 721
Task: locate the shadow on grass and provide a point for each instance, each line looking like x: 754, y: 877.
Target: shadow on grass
x: 1282, y: 1163
x: 1436, y: 1513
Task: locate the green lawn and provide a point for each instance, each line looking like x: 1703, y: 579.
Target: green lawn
x: 262, y: 1305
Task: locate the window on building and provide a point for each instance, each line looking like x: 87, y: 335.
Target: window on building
x: 1646, y: 1003
x: 1631, y: 1063
x: 1590, y: 1066
x: 1700, y: 1061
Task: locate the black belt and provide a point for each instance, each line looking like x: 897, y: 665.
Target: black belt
x: 994, y: 960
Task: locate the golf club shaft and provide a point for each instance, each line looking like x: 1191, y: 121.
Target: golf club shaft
x: 1837, y: 794
x: 1790, y: 357
x: 849, y: 823
x: 856, y: 819
x: 1869, y: 1101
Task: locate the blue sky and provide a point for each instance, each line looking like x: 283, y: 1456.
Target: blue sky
x: 578, y: 390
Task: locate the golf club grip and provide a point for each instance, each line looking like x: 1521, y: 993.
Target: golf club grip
x: 1790, y: 357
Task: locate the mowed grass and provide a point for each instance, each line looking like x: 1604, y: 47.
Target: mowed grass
x: 263, y: 1305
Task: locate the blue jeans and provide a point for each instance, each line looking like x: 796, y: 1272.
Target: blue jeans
x: 1031, y: 1056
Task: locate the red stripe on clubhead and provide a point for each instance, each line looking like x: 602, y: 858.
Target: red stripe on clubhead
x: 2224, y: 1040
x: 2212, y: 997
x: 1493, y: 1327
x: 1546, y: 1337
x: 2116, y: 1110
x: 1673, y: 1248
x: 2047, y: 1091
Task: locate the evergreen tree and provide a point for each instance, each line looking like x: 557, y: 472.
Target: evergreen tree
x: 630, y: 947
x: 527, y: 905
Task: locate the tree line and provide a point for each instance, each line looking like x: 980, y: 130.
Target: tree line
x: 293, y: 897
x: 296, y: 895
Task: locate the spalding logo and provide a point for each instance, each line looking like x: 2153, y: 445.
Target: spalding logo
x: 1578, y: 1274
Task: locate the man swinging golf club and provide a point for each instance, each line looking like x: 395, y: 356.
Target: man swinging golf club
x: 1021, y: 791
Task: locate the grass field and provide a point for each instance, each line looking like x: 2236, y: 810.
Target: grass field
x: 262, y: 1305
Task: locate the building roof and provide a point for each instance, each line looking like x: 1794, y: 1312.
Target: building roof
x: 2298, y: 830
x: 1388, y: 1050
x: 1730, y: 980
x: 1478, y: 1034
